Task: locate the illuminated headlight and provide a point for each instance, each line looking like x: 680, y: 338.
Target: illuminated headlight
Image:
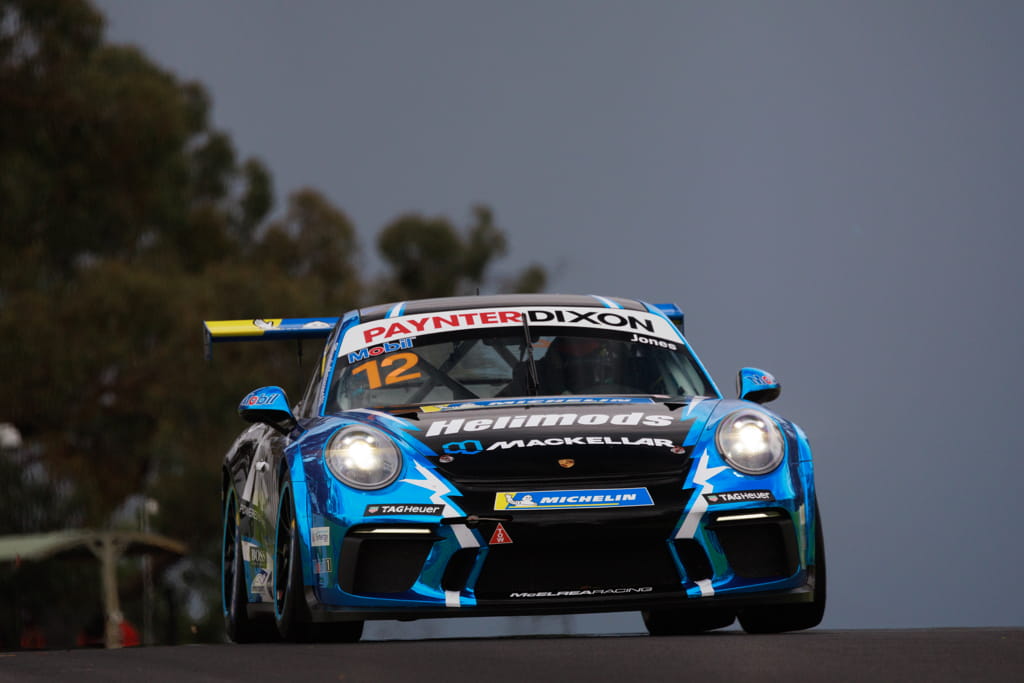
x: 362, y: 457
x: 750, y: 442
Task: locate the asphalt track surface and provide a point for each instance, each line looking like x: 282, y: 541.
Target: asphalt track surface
x: 993, y: 654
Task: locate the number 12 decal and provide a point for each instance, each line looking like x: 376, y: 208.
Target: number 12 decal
x: 403, y: 373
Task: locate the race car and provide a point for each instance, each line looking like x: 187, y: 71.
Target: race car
x: 513, y: 455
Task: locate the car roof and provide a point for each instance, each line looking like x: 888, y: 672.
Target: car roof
x: 418, y: 306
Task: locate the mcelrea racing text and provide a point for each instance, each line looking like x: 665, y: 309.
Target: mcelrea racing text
x: 571, y: 594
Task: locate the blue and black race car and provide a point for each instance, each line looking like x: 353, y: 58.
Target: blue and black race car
x: 513, y: 455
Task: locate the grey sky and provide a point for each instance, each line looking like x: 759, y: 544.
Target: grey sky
x: 831, y: 191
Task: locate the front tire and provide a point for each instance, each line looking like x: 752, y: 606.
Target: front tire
x: 338, y: 632
x: 291, y: 614
x: 779, y: 618
x: 682, y: 622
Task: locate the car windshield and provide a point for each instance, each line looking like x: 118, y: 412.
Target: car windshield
x: 492, y: 363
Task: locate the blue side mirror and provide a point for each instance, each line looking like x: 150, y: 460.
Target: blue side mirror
x: 757, y: 385
x: 269, y: 406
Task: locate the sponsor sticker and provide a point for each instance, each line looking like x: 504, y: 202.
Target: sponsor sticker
x: 541, y: 400
x: 458, y: 425
x: 386, y: 347
x: 259, y: 581
x: 320, y: 536
x: 402, y: 509
x: 253, y: 554
x: 572, y: 500
x: 322, y: 566
x: 246, y: 509
x: 392, y: 329
x: 471, y: 447
x: 260, y: 586
x: 758, y: 496
x: 640, y: 339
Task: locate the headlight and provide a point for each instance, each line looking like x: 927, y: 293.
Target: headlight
x: 362, y: 457
x: 750, y: 442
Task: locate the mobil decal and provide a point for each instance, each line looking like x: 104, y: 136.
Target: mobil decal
x: 572, y: 500
x: 386, y: 347
x: 457, y: 425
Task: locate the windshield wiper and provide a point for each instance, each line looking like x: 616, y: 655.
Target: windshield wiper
x: 532, y: 381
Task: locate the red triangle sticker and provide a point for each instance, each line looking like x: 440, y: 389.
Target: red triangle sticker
x: 500, y: 536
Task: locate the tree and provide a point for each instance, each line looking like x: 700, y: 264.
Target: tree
x: 429, y: 258
x: 126, y: 220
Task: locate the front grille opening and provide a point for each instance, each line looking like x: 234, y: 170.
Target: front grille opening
x: 578, y: 557
x: 695, y: 560
x: 759, y: 549
x: 456, y: 574
x: 387, y: 564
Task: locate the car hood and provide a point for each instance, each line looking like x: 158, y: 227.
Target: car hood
x: 555, y: 441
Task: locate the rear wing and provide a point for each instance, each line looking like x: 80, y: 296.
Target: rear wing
x: 673, y: 313
x: 264, y: 329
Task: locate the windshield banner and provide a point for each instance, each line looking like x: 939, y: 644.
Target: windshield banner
x: 390, y: 331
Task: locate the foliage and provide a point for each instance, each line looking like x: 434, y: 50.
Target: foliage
x: 125, y: 220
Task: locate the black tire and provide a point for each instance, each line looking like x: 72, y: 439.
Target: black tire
x: 291, y: 614
x: 799, y: 617
x: 683, y: 622
x: 338, y: 632
x: 238, y: 625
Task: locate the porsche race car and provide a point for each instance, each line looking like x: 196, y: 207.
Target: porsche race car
x: 513, y: 455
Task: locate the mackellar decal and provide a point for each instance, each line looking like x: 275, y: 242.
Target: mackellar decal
x: 580, y: 441
x: 458, y: 425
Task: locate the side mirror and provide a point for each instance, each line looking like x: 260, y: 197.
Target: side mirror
x: 269, y: 406
x: 757, y: 385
